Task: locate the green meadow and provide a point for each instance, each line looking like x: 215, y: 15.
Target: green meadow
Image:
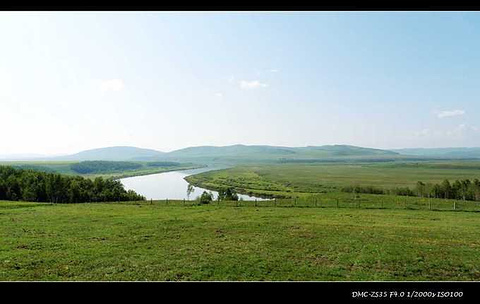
x: 312, y: 231
x: 294, y: 179
x: 68, y: 167
x: 177, y: 241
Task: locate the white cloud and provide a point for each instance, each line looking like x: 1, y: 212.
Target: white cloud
x: 254, y: 84
x: 452, y: 113
x: 274, y: 71
x: 112, y: 85
x: 219, y: 94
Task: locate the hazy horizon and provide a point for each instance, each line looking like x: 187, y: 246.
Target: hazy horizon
x: 75, y: 81
x: 27, y: 156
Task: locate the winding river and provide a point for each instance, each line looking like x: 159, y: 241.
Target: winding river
x: 171, y: 185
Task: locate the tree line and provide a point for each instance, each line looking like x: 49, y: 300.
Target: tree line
x: 224, y: 194
x: 29, y: 185
x: 463, y: 189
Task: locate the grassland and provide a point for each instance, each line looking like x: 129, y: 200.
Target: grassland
x: 156, y: 241
x: 65, y: 167
x: 320, y: 234
x: 303, y: 179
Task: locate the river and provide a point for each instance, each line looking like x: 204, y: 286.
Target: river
x: 171, y: 185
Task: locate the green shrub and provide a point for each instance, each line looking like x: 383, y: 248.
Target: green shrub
x: 206, y: 198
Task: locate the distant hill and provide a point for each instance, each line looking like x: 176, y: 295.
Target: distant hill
x: 233, y: 154
x: 113, y: 153
x: 261, y: 153
x: 342, y: 150
x: 442, y: 152
x: 235, y: 150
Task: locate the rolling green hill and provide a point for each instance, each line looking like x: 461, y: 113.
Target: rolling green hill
x: 92, y: 169
x: 244, y: 154
x: 261, y: 153
x: 113, y: 153
x: 442, y: 152
x: 230, y: 154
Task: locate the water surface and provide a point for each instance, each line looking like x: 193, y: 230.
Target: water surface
x: 171, y: 185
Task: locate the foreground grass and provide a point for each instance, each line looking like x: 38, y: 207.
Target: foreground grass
x: 143, y: 241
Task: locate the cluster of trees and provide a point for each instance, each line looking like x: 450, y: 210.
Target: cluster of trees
x: 227, y: 194
x: 100, y: 166
x: 30, y: 185
x: 460, y: 189
x: 205, y: 198
x: 405, y: 191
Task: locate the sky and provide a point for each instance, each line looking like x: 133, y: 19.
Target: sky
x: 71, y: 81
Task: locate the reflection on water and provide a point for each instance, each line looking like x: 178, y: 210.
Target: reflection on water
x: 171, y: 185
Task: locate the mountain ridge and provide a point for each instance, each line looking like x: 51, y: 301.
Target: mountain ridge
x: 454, y: 152
x: 116, y: 153
x: 245, y: 153
x: 266, y: 153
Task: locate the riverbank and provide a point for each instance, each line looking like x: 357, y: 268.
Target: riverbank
x: 172, y: 185
x: 298, y: 180
x: 65, y: 167
x: 150, y: 172
x: 198, y: 180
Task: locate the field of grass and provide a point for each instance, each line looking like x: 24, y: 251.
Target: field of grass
x: 62, y: 167
x: 160, y: 241
x: 299, y: 179
x: 365, y: 201
x: 65, y: 167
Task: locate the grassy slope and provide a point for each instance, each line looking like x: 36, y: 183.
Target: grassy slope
x: 473, y: 152
x: 119, y: 153
x: 237, y: 154
x: 307, y: 178
x: 63, y: 167
x: 157, y: 242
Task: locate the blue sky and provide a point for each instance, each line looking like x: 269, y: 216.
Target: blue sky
x: 81, y: 80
